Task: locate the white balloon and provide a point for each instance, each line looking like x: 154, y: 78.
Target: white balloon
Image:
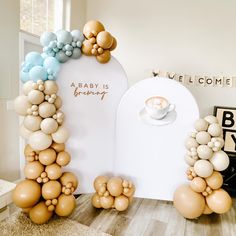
x: 21, y: 105
x: 39, y: 140
x: 220, y: 160
x: 61, y: 135
x: 24, y: 133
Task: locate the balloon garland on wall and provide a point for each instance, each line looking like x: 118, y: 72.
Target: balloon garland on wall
x: 46, y: 188
x: 205, y: 158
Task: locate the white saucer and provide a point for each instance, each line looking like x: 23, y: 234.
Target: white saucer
x: 168, y: 119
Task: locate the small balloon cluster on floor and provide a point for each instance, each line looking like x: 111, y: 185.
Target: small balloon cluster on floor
x: 98, y: 41
x: 205, y: 158
x: 112, y: 192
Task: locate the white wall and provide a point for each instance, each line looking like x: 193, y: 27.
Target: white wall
x: 183, y: 36
x: 9, y: 82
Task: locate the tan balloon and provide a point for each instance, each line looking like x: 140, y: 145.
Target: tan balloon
x: 63, y: 158
x: 130, y: 192
x: 28, y: 150
x: 50, y: 87
x: 58, y: 147
x: 69, y: 177
x: 39, y: 140
x: 46, y: 109
x: 207, y: 210
x: 201, y: 125
x: 33, y: 169
x: 25, y: 133
x: 219, y: 201
x: 215, y: 181
x: 107, y: 202
x: 58, y: 103
x: 61, y: 135
x: 53, y: 171
x: 198, y: 184
x: 203, y: 168
x: 189, y: 203
x: 114, y: 45
x: 21, y: 105
x: 26, y: 194
x: 26, y: 210
x: 121, y: 203
x: 36, y: 97
x: 104, y: 57
x: 40, y: 214
x: 27, y: 87
x: 114, y: 186
x: 49, y: 126
x: 92, y: 28
x: 87, y: 48
x: 51, y: 190
x: 47, y: 156
x: 96, y: 201
x: 32, y: 123
x: 104, y: 39
x: 99, y: 182
x: 66, y: 204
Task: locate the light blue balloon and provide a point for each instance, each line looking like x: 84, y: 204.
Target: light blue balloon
x: 52, y: 64
x: 64, y: 36
x: 76, y: 53
x: 53, y: 44
x: 24, y: 76
x: 77, y: 35
x: 61, y: 57
x: 68, y: 47
x: 56, y: 49
x: 78, y: 44
x: 37, y: 73
x: 46, y: 38
x: 34, y: 58
x: 60, y: 45
x: 73, y: 44
x: 44, y: 55
x: 51, y: 77
x: 52, y: 54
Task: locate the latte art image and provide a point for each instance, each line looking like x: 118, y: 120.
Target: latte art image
x: 157, y: 102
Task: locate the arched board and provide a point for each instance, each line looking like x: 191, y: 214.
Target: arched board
x: 91, y: 92
x: 152, y: 154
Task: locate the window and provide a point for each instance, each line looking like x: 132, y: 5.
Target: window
x: 38, y: 16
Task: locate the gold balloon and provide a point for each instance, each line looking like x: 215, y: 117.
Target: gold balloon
x: 107, y: 202
x: 121, y: 203
x: 215, y: 181
x: 114, y: 186
x: 96, y: 201
x: 198, y: 184
x: 114, y: 45
x: 51, y: 190
x: 53, y: 171
x: 58, y: 103
x: 26, y: 210
x: 58, y: 147
x: 28, y: 150
x: 87, y: 48
x: 69, y: 177
x: 99, y: 182
x: 104, y: 57
x: 92, y: 28
x: 26, y: 194
x: 33, y: 169
x: 104, y: 39
x: 40, y: 214
x: 47, y: 156
x: 129, y: 192
x: 189, y: 203
x: 65, y: 205
x: 219, y: 201
x: 63, y: 158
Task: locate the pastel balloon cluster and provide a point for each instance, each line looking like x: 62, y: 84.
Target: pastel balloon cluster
x: 98, y: 42
x: 38, y: 67
x: 205, y: 158
x: 62, y: 45
x: 112, y: 192
x: 46, y: 188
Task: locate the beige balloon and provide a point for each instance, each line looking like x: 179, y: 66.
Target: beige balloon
x: 58, y: 103
x: 32, y: 123
x: 58, y: 147
x: 189, y: 203
x: 104, y: 57
x: 121, y: 203
x: 46, y: 109
x: 24, y: 133
x: 198, y: 184
x: 51, y: 190
x: 220, y: 160
x: 50, y: 87
x: 69, y: 177
x: 107, y: 202
x: 21, y: 105
x: 61, y: 135
x: 215, y: 181
x: 203, y: 168
x: 201, y: 125
x: 49, y: 126
x: 99, y: 182
x: 47, y: 156
x: 53, y: 171
x: 63, y: 158
x: 39, y: 140
x: 96, y: 201
x: 33, y: 169
x: 36, y: 97
x: 204, y: 152
x: 191, y: 142
x: 66, y: 204
x: 26, y: 193
x: 211, y: 119
x: 215, y: 130
x: 27, y: 87
x: 104, y: 39
x: 114, y: 186
x: 203, y: 137
x: 28, y: 150
x: 40, y: 214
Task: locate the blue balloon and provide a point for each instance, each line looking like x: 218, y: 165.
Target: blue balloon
x: 51, y: 64
x: 77, y: 36
x: 34, y: 58
x: 64, y: 36
x: 76, y: 53
x: 46, y: 38
x: 61, y: 57
x: 37, y: 73
x: 44, y: 55
x: 24, y: 76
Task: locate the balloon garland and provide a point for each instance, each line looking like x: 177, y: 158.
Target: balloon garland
x: 205, y: 158
x: 47, y: 188
x: 112, y: 193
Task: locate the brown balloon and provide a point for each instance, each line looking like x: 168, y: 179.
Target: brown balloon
x: 92, y: 28
x: 198, y: 184
x: 121, y: 203
x: 96, y: 201
x: 130, y: 191
x: 26, y: 210
x: 219, y: 201
x: 63, y: 158
x: 51, y: 190
x: 207, y: 210
x: 53, y: 171
x: 114, y: 45
x: 65, y: 205
x: 107, y: 202
x: 215, y: 181
x: 114, y: 186
x: 104, y: 39
x: 99, y: 182
x: 104, y: 57
x: 47, y: 156
x: 33, y: 169
x: 189, y: 203
x: 87, y: 48
x: 39, y: 214
x: 69, y: 177
x: 26, y: 194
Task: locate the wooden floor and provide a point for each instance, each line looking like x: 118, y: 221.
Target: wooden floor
x: 152, y: 217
